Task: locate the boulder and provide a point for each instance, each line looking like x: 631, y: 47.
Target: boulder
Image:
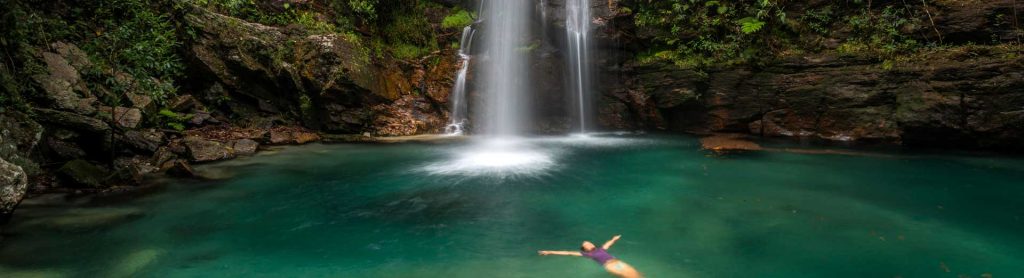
x: 185, y: 103
x: 280, y: 137
x: 305, y: 137
x: 245, y: 147
x: 163, y: 157
x: 133, y: 169
x: 71, y: 120
x: 19, y: 136
x: 63, y: 149
x: 122, y: 116
x: 62, y: 85
x: 13, y: 184
x: 141, y: 102
x: 81, y: 173
x: 144, y: 140
x: 202, y: 150
x: 200, y: 118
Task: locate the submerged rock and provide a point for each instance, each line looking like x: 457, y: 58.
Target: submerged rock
x: 180, y: 168
x: 32, y: 273
x: 729, y: 143
x: 84, y: 174
x: 132, y: 264
x: 13, y: 184
x: 73, y: 220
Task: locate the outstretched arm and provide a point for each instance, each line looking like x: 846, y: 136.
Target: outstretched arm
x: 560, y: 253
x: 610, y: 242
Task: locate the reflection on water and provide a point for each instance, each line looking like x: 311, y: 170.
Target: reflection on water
x: 427, y: 211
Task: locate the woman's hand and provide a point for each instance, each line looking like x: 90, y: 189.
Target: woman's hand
x: 616, y: 237
x: 543, y: 253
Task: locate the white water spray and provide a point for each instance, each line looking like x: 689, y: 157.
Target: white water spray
x: 577, y: 29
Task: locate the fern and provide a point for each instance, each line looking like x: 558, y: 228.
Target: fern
x: 750, y: 25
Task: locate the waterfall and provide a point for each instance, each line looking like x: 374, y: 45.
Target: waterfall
x: 458, y: 95
x: 577, y: 29
x: 504, y: 78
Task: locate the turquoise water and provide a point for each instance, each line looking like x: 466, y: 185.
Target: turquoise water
x: 425, y: 210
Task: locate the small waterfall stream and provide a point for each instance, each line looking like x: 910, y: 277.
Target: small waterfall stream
x: 577, y: 28
x: 459, y: 114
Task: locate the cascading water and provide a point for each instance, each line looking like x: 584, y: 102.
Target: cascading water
x: 504, y: 78
x: 500, y: 111
x: 459, y: 113
x: 577, y: 29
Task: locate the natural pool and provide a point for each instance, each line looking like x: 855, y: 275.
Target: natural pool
x: 435, y: 210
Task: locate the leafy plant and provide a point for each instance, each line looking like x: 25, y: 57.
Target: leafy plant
x: 173, y: 120
x: 750, y: 25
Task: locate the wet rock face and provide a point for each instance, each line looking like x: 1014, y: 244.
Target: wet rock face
x: 965, y: 97
x: 13, y: 184
x: 327, y: 81
x: 406, y: 116
x: 964, y: 101
x: 314, y: 75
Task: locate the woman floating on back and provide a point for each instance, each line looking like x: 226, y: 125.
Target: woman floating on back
x: 601, y: 256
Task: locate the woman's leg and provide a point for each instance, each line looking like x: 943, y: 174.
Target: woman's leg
x: 622, y: 269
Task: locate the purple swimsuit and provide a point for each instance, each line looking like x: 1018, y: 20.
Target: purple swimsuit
x: 599, y: 255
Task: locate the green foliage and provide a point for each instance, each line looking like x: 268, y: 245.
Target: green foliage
x: 365, y: 8
x: 459, y: 19
x: 407, y: 34
x: 312, y: 19
x: 819, y: 20
x: 750, y: 25
x: 173, y: 120
x: 408, y: 51
x: 881, y: 34
x: 134, y: 37
x: 704, y: 32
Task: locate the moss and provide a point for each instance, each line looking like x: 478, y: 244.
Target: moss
x: 459, y: 19
x: 408, y: 51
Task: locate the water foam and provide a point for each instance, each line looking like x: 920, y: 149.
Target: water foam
x: 495, y: 157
